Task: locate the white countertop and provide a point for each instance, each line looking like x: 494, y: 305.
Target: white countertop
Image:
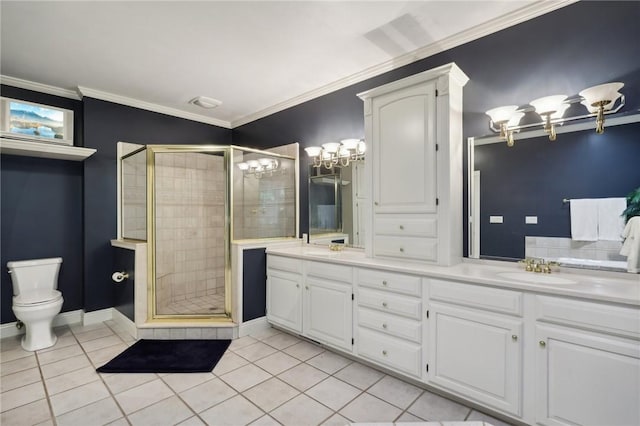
x: 615, y: 287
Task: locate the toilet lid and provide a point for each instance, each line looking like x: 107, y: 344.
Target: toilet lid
x: 36, y: 296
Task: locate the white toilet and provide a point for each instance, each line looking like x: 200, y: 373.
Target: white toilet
x: 35, y: 299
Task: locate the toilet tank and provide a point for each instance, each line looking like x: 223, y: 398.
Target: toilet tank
x: 35, y: 274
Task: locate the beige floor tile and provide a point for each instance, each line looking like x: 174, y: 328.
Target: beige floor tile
x: 270, y: 394
x: 329, y: 362
x: 21, y: 396
x: 102, y: 356
x: 433, y: 407
x: 478, y: 416
x: 266, y: 333
x: 245, y: 377
x: 121, y: 382
x: 396, y: 392
x: 229, y: 362
x: 101, y: 343
x: 78, y: 397
x: 142, y: 396
x: 80, y: 328
x: 64, y: 366
x: 13, y: 353
x: 20, y: 364
x: 302, y: 376
x: 255, y: 351
x: 122, y: 421
x: 207, y: 394
x: 242, y: 342
x: 303, y: 350
x: 232, y: 412
x: 408, y: 417
x: 265, y: 420
x: 166, y: 412
x: 46, y: 423
x: 301, y: 410
x: 336, y: 420
x: 281, y: 341
x: 21, y: 378
x: 94, y: 334
x: 359, y: 375
x: 10, y: 343
x: 277, y: 363
x: 64, y: 340
x: 100, y: 412
x: 59, y: 354
x: 333, y: 393
x: 26, y: 415
x: 368, y: 408
x: 192, y: 421
x: 182, y: 381
x: 71, y: 380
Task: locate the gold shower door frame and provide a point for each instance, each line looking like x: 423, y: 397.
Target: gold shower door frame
x: 152, y: 315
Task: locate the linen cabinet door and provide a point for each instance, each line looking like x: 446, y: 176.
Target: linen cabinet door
x: 586, y: 378
x: 284, y: 299
x: 476, y: 354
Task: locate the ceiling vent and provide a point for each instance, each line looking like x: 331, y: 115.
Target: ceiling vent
x: 204, y: 102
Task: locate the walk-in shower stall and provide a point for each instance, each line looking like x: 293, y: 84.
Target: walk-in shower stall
x: 189, y: 202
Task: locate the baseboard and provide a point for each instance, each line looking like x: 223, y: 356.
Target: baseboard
x: 253, y: 327
x: 95, y: 317
x: 123, y: 321
x: 64, y: 318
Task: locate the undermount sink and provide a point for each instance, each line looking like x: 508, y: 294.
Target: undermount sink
x: 535, y: 278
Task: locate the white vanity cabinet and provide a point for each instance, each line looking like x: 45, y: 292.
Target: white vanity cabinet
x: 587, y: 363
x: 389, y: 320
x: 284, y: 292
x: 476, y: 343
x: 413, y: 128
x: 327, y: 304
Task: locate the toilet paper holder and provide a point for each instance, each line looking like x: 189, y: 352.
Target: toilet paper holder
x: 118, y: 277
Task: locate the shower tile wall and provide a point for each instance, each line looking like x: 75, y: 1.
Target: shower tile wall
x: 554, y: 247
x: 134, y: 196
x: 265, y: 207
x: 190, y: 220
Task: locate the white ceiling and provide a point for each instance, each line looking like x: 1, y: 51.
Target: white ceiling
x: 256, y: 57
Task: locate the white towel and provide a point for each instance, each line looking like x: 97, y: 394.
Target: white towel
x: 584, y: 219
x: 610, y: 219
x: 631, y: 245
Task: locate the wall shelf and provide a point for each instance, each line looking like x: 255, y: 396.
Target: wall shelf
x: 44, y: 150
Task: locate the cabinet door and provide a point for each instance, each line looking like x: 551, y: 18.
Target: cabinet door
x: 478, y: 355
x: 284, y: 299
x: 328, y: 312
x: 586, y: 378
x: 404, y: 150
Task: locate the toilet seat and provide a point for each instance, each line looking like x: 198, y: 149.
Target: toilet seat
x: 37, y: 297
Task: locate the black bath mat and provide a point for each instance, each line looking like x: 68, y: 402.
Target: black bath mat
x: 168, y: 356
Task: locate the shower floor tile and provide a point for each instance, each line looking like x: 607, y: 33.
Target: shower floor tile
x: 199, y: 305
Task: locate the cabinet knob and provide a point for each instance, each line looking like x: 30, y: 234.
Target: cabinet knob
x: 384, y: 353
x: 514, y: 337
x: 543, y: 343
x: 375, y: 203
x: 306, y: 287
x: 401, y: 250
x: 384, y: 326
x: 401, y: 227
x: 297, y: 285
x: 384, y: 304
x: 384, y: 283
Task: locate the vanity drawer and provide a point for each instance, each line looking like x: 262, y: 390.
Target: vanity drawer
x: 284, y: 263
x: 394, y: 353
x: 406, y: 225
x: 475, y: 296
x: 396, y: 326
x: 383, y: 280
x: 390, y: 303
x: 415, y: 248
x: 330, y: 271
x: 601, y: 317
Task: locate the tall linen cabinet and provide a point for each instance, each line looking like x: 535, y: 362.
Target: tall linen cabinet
x: 413, y: 128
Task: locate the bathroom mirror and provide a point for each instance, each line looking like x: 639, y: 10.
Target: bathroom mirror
x: 336, y: 204
x: 518, y: 196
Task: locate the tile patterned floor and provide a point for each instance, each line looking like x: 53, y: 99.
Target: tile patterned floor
x: 201, y: 305
x: 268, y: 379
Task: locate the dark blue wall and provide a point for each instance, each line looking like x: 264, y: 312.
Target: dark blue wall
x: 41, y: 211
x: 124, y: 292
x: 106, y: 124
x: 532, y: 178
x: 554, y: 53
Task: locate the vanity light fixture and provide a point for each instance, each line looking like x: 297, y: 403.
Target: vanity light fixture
x: 259, y: 168
x: 599, y: 101
x: 333, y: 154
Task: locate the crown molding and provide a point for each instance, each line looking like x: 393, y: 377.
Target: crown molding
x: 516, y: 17
x: 39, y: 87
x: 123, y: 100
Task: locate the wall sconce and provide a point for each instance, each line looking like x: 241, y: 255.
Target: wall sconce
x: 259, y: 168
x: 337, y: 154
x: 599, y: 101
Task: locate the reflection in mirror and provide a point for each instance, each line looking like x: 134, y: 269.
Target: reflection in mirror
x: 336, y: 204
x: 517, y: 194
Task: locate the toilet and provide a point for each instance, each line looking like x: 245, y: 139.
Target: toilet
x: 36, y: 300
